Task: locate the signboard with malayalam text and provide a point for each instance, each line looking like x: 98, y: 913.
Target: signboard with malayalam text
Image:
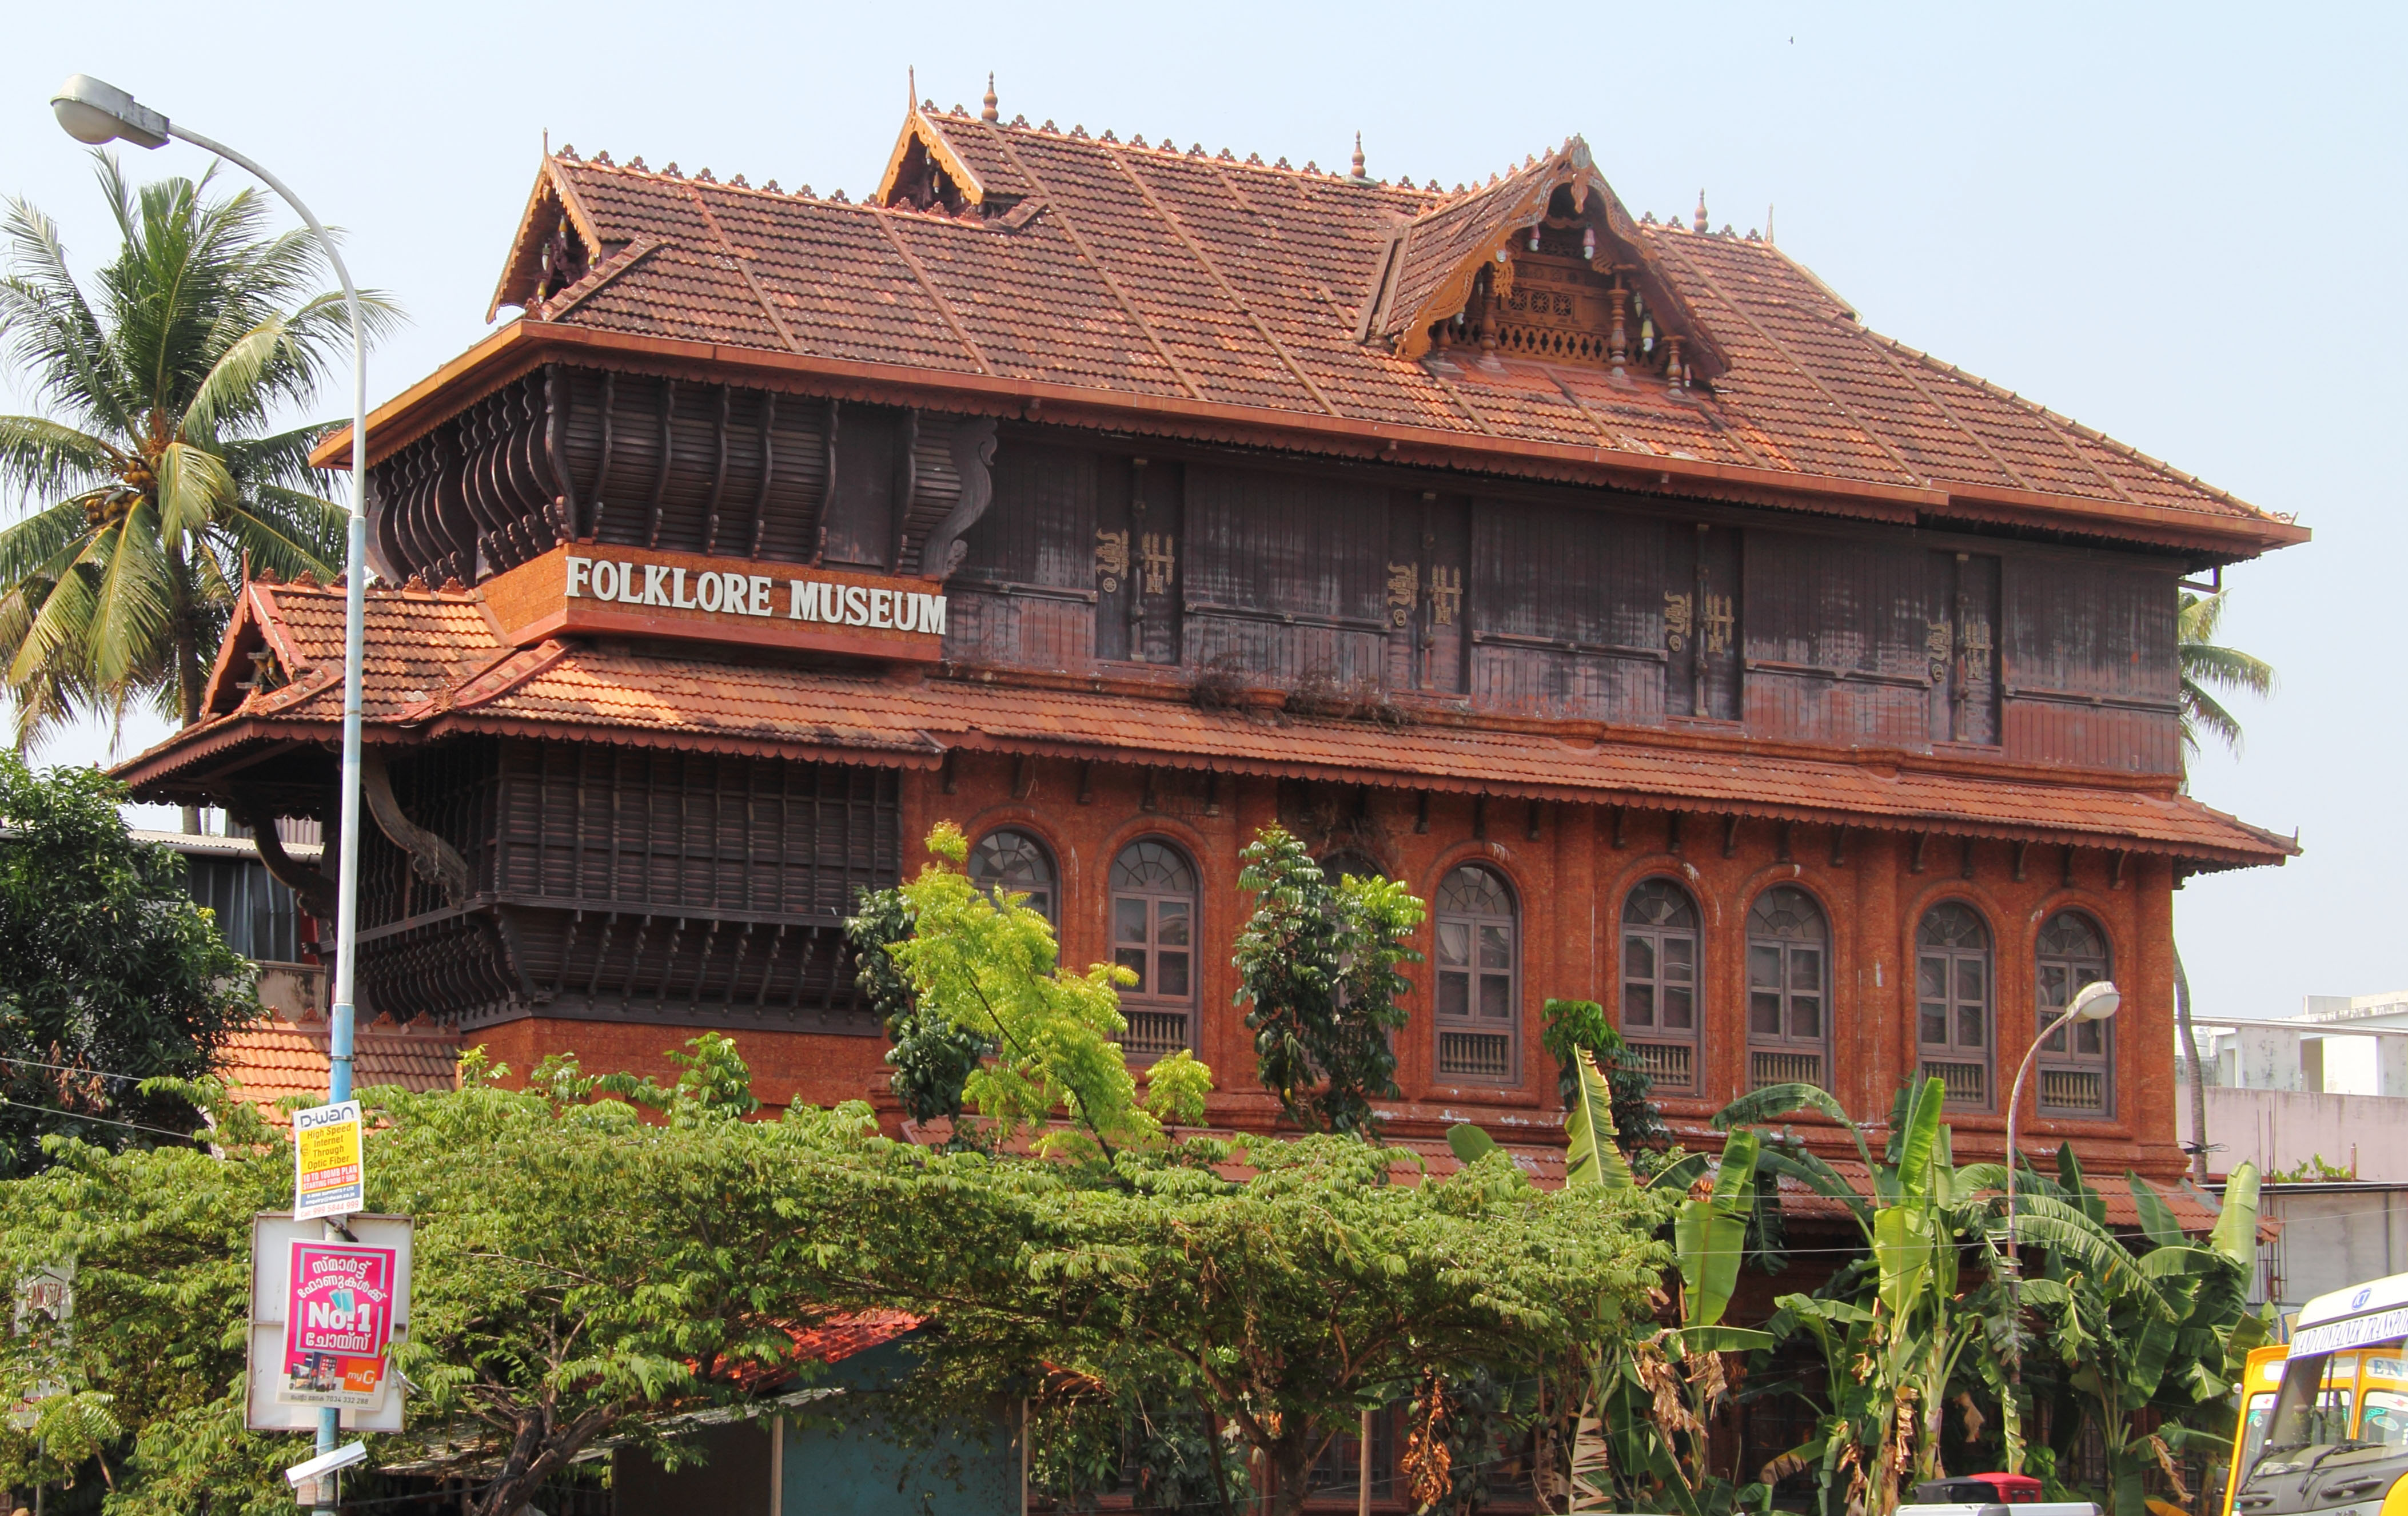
x: 592, y: 589
x: 338, y: 1303
x: 286, y: 1389
x: 328, y: 1165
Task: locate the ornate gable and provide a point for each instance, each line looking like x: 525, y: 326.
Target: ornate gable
x: 556, y: 244
x: 1547, y: 265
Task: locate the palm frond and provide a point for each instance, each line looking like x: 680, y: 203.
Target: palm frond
x: 194, y: 489
x: 282, y: 458
x: 2204, y: 663
x: 42, y: 456
x: 287, y: 531
x: 134, y: 604
x: 29, y: 547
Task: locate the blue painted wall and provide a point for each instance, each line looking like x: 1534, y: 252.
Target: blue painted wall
x: 862, y: 1469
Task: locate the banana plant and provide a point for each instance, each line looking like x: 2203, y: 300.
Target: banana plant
x: 1895, y: 1331
x: 2150, y: 1342
x: 1642, y: 1431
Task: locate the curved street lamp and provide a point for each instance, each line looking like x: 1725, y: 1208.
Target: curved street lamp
x: 94, y: 112
x: 2094, y: 1001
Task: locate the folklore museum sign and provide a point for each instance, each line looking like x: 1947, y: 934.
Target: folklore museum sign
x: 588, y: 589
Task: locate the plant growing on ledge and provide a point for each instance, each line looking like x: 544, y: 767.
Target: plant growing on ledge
x: 1319, y: 962
x: 1578, y: 1027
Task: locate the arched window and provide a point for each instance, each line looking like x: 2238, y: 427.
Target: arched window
x: 1952, y: 995
x: 1788, y: 989
x: 1018, y: 862
x: 2077, y: 1066
x: 1154, y: 935
x: 1659, y: 982
x: 1479, y: 954
x: 1348, y: 861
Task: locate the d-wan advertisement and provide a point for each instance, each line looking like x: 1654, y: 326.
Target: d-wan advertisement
x: 338, y: 1322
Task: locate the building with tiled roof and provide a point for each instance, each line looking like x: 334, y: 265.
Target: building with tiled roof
x: 1690, y: 646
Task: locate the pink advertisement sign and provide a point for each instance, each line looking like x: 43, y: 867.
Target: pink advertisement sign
x: 337, y: 1323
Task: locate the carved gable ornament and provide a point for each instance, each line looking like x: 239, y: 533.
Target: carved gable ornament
x: 1547, y: 265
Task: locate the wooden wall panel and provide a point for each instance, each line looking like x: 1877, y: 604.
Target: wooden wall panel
x: 2089, y: 669
x: 861, y: 496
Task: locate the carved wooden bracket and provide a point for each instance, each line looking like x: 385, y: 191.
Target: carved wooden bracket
x: 434, y: 858
x: 311, y: 887
x: 973, y: 456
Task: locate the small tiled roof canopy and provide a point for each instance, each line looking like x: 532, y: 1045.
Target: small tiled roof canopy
x: 435, y: 668
x: 1109, y: 282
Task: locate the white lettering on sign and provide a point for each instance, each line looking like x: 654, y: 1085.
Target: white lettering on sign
x: 750, y: 595
x: 851, y: 605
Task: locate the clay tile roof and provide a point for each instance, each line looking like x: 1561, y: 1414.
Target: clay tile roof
x: 1128, y: 273
x: 275, y: 1059
x: 435, y: 668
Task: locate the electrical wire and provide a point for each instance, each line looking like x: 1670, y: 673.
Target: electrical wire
x: 90, y: 1073
x: 7, y: 1104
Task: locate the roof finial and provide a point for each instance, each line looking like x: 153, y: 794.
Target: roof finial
x: 911, y: 89
x: 1768, y: 223
x: 1359, y: 155
x: 1698, y: 222
x: 986, y: 107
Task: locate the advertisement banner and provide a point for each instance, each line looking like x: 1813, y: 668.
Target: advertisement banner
x: 327, y: 1165
x: 273, y: 1234
x: 44, y: 1306
x: 339, y: 1308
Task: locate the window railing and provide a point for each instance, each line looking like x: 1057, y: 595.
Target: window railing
x: 1475, y: 1055
x: 1671, y: 1065
x: 1154, y: 1034
x: 1765, y: 1067
x: 2073, y: 1092
x: 1967, y: 1084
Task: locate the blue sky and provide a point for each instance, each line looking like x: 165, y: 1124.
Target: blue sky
x: 2182, y: 225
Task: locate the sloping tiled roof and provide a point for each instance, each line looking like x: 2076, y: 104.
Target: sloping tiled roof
x: 1136, y: 273
x: 436, y: 667
x: 276, y: 1059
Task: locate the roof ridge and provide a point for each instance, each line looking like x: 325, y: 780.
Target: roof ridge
x: 1224, y: 158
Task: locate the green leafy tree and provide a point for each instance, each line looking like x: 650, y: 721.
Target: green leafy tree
x: 2207, y: 665
x: 582, y: 1272
x: 1321, y: 966
x: 987, y: 966
x: 1284, y: 1305
x: 157, y: 472
x: 932, y: 1059
x: 110, y: 975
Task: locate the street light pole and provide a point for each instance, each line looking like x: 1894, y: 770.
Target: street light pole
x: 97, y: 112
x: 2094, y: 1001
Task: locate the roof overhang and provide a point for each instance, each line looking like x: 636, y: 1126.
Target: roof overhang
x: 522, y: 345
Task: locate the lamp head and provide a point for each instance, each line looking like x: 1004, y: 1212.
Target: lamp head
x: 2095, y: 1001
x: 94, y: 112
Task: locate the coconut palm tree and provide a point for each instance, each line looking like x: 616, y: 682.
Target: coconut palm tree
x: 156, y: 479
x: 2204, y: 662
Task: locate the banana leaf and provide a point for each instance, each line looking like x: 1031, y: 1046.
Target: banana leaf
x: 2077, y: 1188
x: 1778, y: 1100
x: 1591, y: 1161
x: 1919, y: 1138
x: 2151, y: 1351
x: 1704, y: 1339
x: 1902, y: 1246
x: 1682, y: 1172
x: 2157, y: 1217
x: 2054, y: 1224
x: 2236, y: 1225
x: 1707, y: 1245
x: 2179, y: 1262
x: 1818, y: 1177
x: 1735, y: 1180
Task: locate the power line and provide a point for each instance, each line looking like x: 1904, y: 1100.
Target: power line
x: 7, y: 1104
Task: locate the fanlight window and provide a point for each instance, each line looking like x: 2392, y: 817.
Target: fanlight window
x: 1788, y: 989
x: 1479, y: 954
x: 1017, y: 862
x: 2077, y: 1065
x: 1952, y: 993
x: 1659, y: 982
x: 1153, y: 936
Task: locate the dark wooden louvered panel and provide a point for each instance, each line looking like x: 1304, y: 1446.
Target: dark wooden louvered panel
x: 654, y: 885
